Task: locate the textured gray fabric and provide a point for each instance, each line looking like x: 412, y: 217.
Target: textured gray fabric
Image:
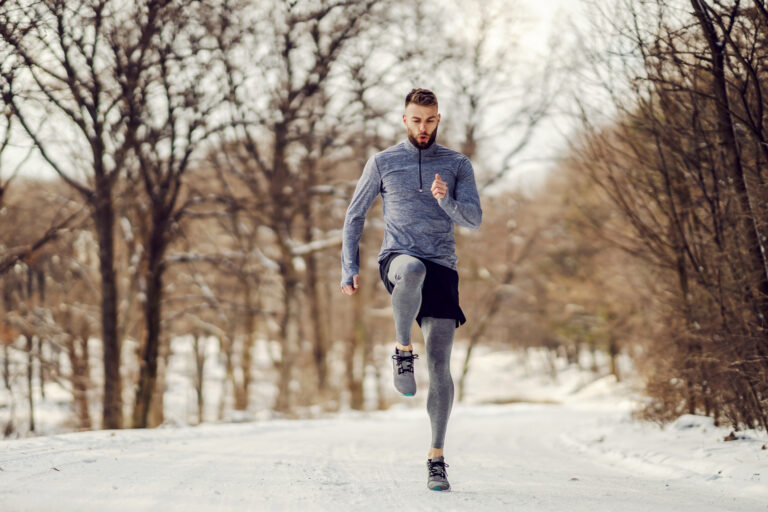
x: 407, y: 274
x: 416, y: 222
x: 438, y: 336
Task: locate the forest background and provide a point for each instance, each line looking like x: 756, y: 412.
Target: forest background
x: 203, y: 155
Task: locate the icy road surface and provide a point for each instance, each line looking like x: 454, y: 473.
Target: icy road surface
x: 521, y: 457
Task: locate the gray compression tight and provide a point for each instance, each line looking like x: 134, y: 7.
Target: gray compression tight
x: 407, y: 274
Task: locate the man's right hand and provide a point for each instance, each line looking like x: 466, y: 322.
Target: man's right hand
x: 349, y: 289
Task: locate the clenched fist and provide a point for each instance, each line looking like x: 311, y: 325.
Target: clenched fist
x: 349, y: 289
x: 439, y: 188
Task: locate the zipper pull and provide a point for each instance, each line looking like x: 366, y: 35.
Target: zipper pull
x: 421, y: 185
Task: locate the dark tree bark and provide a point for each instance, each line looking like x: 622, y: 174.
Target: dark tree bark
x: 103, y: 217
x: 198, y: 351
x: 150, y: 345
x: 58, y: 60
x: 181, y: 126
x: 77, y: 351
x: 683, y: 167
x: 732, y: 156
x: 30, y: 368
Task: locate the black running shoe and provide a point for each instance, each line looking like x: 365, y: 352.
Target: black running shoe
x: 437, y: 480
x: 402, y: 369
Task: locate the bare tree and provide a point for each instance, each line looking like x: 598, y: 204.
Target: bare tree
x: 499, y: 97
x: 682, y: 164
x: 711, y: 19
x: 280, y: 143
x: 12, y: 254
x: 60, y: 51
x: 186, y: 74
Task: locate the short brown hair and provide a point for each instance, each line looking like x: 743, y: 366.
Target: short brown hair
x: 423, y: 97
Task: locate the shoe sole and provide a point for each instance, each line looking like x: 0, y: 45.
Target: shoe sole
x: 441, y: 489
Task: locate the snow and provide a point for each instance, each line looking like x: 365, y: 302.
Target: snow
x: 564, y: 443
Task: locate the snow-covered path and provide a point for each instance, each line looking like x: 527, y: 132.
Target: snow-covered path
x: 522, y: 457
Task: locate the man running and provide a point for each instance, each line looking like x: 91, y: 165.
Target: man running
x: 417, y: 261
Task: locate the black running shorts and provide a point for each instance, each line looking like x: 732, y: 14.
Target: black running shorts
x: 440, y: 294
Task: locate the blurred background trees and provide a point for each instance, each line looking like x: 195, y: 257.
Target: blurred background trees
x: 205, y: 152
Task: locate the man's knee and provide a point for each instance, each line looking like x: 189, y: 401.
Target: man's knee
x: 414, y: 271
x: 411, y: 272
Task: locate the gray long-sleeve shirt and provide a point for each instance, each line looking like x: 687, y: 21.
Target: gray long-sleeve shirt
x: 416, y: 223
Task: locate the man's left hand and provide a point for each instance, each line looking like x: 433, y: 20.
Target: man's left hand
x: 439, y: 188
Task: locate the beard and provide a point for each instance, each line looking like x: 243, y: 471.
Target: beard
x: 423, y: 145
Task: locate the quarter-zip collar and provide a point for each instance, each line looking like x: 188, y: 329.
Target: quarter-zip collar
x: 431, y: 150
x: 421, y: 187
x: 421, y: 154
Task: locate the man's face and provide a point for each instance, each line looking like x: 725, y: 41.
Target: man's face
x: 421, y: 124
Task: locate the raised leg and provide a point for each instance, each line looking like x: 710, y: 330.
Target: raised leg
x: 407, y: 274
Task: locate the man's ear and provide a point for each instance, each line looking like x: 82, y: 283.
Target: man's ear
x: 404, y: 121
x: 438, y: 118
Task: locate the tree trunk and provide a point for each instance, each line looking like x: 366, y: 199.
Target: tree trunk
x: 242, y: 397
x: 613, y: 351
x: 103, y: 217
x: 152, y: 313
x: 198, y: 350
x: 320, y: 338
x: 227, y: 347
x: 356, y: 342
x: 30, y: 395
x: 7, y: 367
x: 732, y: 162
x: 288, y: 332
x: 157, y: 405
x: 9, y: 426
x: 77, y: 351
x: 314, y: 292
x: 41, y: 369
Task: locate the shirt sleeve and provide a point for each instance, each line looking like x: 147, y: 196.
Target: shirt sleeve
x: 462, y: 203
x: 368, y: 187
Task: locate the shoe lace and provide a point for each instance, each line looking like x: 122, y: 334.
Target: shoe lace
x: 437, y: 469
x: 404, y: 362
